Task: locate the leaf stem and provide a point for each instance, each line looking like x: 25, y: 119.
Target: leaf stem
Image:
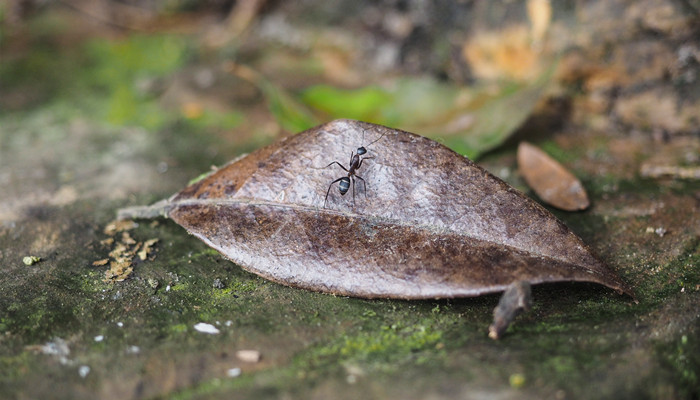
x: 155, y: 210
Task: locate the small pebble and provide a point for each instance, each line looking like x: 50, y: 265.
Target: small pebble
x: 249, y: 356
x: 153, y: 283
x: 233, y: 372
x: 206, y: 328
x: 31, y: 260
x: 516, y: 380
x: 83, y: 371
x: 659, y: 231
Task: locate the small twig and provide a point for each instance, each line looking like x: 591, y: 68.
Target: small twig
x: 137, y: 18
x: 516, y: 299
x: 660, y: 171
x: 156, y: 210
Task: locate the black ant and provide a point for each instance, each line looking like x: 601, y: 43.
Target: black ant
x: 355, y: 164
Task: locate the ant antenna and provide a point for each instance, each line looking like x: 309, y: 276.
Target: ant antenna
x: 363, y: 139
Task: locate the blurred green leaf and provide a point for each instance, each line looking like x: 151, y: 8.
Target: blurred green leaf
x: 499, y: 116
x: 363, y: 104
x: 216, y: 119
x: 126, y: 69
x: 122, y: 105
x: 136, y: 57
x: 471, y: 120
x: 420, y: 101
x: 125, y: 107
x: 291, y: 114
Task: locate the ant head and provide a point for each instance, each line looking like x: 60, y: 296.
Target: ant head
x: 362, y: 150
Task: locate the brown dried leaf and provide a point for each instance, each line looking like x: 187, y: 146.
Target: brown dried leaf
x: 127, y: 239
x: 124, y: 251
x: 431, y: 223
x: 119, y: 226
x: 119, y: 250
x: 100, y: 263
x: 118, y: 270
x: 553, y: 183
x: 147, y: 248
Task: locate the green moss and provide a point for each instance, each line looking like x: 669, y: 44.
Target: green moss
x: 564, y: 156
x: 244, y: 286
x: 379, y: 347
x: 14, y: 366
x: 178, y: 328
x: 682, y: 357
x: 390, y: 343
x: 680, y: 274
x: 180, y: 287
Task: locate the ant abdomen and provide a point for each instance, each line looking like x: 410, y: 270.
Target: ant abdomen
x: 344, y: 185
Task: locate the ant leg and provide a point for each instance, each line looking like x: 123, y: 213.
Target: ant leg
x: 329, y: 189
x: 339, y: 164
x: 363, y: 183
x: 362, y: 159
x: 353, y: 190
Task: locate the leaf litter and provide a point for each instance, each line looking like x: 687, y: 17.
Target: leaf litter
x: 424, y: 222
x: 123, y: 251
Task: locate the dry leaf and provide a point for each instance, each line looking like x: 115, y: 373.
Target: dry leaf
x: 540, y: 14
x: 147, y: 247
x: 127, y: 239
x: 119, y: 270
x: 430, y: 223
x: 508, y: 53
x: 119, y: 226
x: 553, y: 183
x: 118, y: 251
x: 124, y: 251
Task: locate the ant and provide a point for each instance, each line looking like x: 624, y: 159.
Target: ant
x: 355, y: 164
